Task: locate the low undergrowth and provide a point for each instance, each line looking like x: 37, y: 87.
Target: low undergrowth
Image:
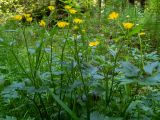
x: 98, y: 67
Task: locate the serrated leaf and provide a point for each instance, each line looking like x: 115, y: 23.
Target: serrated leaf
x: 129, y: 69
x: 150, y: 67
x: 98, y: 76
x: 93, y: 70
x: 1, y: 40
x: 9, y: 118
x: 125, y: 81
x: 10, y: 91
x: 153, y: 80
x: 97, y: 116
x: 113, y: 52
x: 58, y: 72
x: 31, y: 90
x: 76, y: 84
x: 2, y: 80
x: 31, y: 51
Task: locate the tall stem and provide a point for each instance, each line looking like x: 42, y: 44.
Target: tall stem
x: 28, y: 55
x: 62, y: 75
x: 82, y: 79
x: 141, y: 52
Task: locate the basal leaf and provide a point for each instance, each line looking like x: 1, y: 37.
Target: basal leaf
x: 150, y: 67
x: 129, y: 69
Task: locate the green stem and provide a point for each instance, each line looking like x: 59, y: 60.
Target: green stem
x: 21, y: 66
x: 28, y: 55
x: 82, y: 79
x: 141, y: 52
x: 106, y: 87
x: 37, y: 107
x: 44, y: 107
x: 62, y: 75
x: 113, y: 73
x: 50, y: 64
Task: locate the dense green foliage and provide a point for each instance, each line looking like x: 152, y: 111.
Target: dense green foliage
x: 77, y: 61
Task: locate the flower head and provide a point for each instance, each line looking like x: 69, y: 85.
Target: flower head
x: 18, y: 17
x: 83, y: 30
x: 75, y: 27
x: 141, y: 33
x: 51, y: 8
x: 62, y: 24
x: 127, y: 16
x: 113, y: 16
x: 42, y: 23
x: 27, y: 15
x: 67, y: 7
x: 93, y: 43
x: 29, y: 19
x: 1, y: 21
x: 128, y: 25
x: 77, y: 21
x: 72, y: 11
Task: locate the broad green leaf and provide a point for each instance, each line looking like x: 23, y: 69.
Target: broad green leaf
x: 92, y: 70
x: 153, y: 80
x: 9, y: 118
x: 98, y: 76
x: 76, y: 84
x: 118, y: 38
x: 2, y: 80
x: 113, y: 52
x: 125, y: 81
x: 97, y: 116
x: 129, y: 69
x: 31, y: 51
x: 10, y: 91
x: 152, y: 56
x: 150, y: 67
x: 1, y: 40
x: 135, y: 31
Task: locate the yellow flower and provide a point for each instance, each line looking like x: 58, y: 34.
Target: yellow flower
x: 1, y: 21
x: 77, y: 21
x: 113, y: 16
x: 29, y: 19
x: 142, y: 33
x: 83, y: 30
x: 62, y: 24
x: 127, y: 16
x: 42, y: 23
x: 27, y: 15
x: 75, y: 27
x: 51, y: 8
x: 93, y: 43
x: 128, y: 25
x: 18, y: 17
x: 72, y: 11
x: 67, y: 7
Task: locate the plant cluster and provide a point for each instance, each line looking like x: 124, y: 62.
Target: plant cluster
x: 82, y: 67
